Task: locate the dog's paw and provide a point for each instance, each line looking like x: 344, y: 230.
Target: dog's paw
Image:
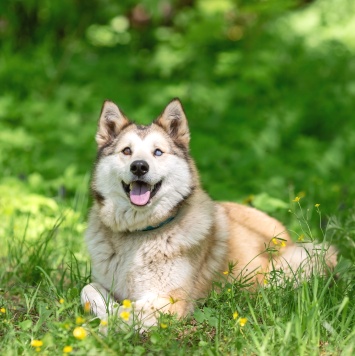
x: 140, y: 314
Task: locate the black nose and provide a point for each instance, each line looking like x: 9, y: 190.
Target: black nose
x: 139, y: 168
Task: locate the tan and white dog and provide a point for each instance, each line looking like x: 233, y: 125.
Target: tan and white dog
x: 155, y: 237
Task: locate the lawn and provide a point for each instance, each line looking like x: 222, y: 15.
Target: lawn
x: 269, y: 91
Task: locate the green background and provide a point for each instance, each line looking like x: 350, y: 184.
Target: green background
x: 268, y: 88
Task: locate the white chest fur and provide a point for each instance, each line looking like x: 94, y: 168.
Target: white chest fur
x: 137, y: 265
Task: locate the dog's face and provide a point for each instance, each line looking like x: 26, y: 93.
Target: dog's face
x: 142, y: 171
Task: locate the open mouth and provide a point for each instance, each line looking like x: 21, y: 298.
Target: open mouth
x: 139, y: 192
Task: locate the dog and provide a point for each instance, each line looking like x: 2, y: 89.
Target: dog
x: 156, y: 238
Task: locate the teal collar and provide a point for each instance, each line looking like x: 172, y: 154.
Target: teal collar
x: 150, y: 228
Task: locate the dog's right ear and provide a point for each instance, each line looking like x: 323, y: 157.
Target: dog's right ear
x: 111, y: 122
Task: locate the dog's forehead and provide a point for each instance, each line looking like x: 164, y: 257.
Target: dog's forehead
x: 144, y: 135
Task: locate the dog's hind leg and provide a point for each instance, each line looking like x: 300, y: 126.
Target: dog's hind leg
x: 303, y: 260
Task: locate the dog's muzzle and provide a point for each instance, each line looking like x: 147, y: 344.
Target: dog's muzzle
x: 140, y: 193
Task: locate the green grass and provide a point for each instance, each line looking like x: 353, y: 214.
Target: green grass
x: 42, y: 276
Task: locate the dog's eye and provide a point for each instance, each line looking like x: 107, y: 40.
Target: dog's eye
x: 158, y: 152
x: 127, y: 151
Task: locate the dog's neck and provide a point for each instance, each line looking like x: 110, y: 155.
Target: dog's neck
x: 150, y: 228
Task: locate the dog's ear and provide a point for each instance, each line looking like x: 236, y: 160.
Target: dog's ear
x: 111, y: 122
x: 173, y: 121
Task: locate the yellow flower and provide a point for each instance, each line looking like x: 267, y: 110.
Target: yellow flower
x: 125, y: 315
x: 163, y: 325
x: 79, y: 333
x: 79, y: 320
x: 67, y: 349
x: 172, y: 300
x: 301, y: 237
x: 103, y: 322
x: 283, y: 244
x: 126, y: 303
x: 228, y: 290
x: 235, y: 315
x: 3, y: 310
x: 61, y: 300
x: 248, y: 199
x: 266, y: 281
x: 87, y: 307
x: 275, y: 241
x: 296, y: 200
x: 243, y: 321
x: 225, y: 272
x: 36, y: 343
x: 317, y: 205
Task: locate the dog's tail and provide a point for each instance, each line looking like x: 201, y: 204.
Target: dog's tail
x: 301, y: 260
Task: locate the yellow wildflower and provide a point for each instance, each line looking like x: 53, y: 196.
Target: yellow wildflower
x: 67, y: 349
x: 248, y: 199
x: 317, y: 205
x: 266, y: 281
x: 296, y: 200
x: 235, y: 315
x: 103, y: 322
x: 225, y: 272
x: 79, y: 320
x: 87, y: 307
x: 243, y: 321
x: 79, y: 333
x: 283, y: 244
x: 125, y: 315
x: 126, y: 303
x: 172, y: 300
x: 163, y: 325
x: 301, y: 237
x: 275, y: 241
x: 61, y: 300
x: 3, y: 310
x: 36, y: 343
x: 228, y: 290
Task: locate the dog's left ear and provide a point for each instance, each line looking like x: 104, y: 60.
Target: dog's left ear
x: 173, y: 121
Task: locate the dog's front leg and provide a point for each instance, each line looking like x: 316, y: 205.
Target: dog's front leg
x: 100, y: 301
x: 146, y: 311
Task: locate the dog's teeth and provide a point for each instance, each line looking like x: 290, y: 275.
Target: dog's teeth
x: 130, y: 186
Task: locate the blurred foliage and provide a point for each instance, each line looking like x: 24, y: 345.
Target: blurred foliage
x: 268, y: 87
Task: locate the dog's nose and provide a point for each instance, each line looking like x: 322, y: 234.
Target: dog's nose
x: 139, y: 168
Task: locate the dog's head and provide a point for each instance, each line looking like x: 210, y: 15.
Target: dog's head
x: 143, y: 172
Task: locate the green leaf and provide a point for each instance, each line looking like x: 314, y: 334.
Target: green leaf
x: 265, y: 202
x: 139, y: 350
x: 199, y: 316
x: 154, y: 338
x: 213, y: 321
x: 26, y: 324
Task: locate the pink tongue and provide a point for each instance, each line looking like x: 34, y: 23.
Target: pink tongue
x: 139, y: 193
